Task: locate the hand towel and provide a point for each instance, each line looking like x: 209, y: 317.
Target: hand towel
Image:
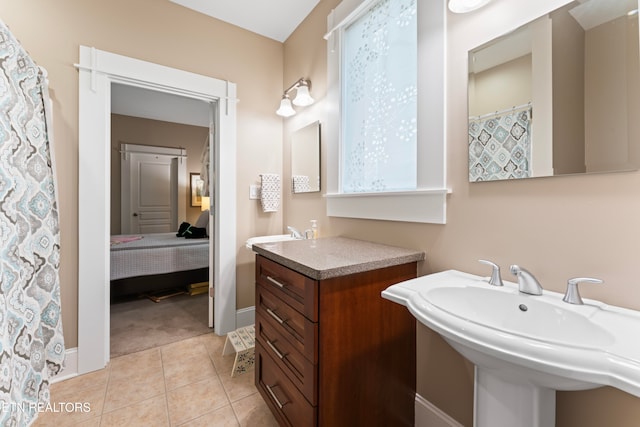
x: 301, y: 184
x: 270, y: 196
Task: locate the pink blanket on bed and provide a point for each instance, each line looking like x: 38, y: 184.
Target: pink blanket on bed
x: 116, y: 240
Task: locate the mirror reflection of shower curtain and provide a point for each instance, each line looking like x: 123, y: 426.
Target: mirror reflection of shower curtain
x: 31, y: 341
x: 500, y: 145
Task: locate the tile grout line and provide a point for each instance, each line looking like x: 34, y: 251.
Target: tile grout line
x: 224, y: 388
x: 166, y: 389
x: 106, y: 387
x: 219, y: 378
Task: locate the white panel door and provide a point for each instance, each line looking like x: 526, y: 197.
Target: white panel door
x: 149, y: 189
x: 153, y: 193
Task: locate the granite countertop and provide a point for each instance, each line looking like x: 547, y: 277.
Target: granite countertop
x: 335, y: 256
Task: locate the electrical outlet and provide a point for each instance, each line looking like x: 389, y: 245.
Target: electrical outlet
x: 254, y: 192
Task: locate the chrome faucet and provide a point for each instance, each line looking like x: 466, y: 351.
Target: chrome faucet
x: 295, y: 233
x: 527, y: 283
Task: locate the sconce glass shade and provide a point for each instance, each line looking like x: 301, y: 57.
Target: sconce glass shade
x: 464, y: 6
x: 285, y: 110
x: 303, y: 98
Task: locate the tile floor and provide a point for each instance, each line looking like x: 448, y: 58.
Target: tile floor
x: 187, y: 383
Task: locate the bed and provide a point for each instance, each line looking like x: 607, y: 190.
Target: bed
x: 155, y: 262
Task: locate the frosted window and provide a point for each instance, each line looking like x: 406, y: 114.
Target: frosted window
x: 379, y: 99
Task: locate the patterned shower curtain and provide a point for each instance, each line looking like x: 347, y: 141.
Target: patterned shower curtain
x: 31, y: 341
x: 500, y: 146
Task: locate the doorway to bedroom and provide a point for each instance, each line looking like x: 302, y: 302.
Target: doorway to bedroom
x: 98, y: 70
x: 159, y: 280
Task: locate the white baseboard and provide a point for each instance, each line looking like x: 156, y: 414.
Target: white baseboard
x: 70, y: 366
x: 428, y: 415
x: 245, y: 317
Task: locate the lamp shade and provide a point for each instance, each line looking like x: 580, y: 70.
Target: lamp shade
x: 303, y: 98
x: 285, y: 109
x: 206, y: 203
x: 464, y: 6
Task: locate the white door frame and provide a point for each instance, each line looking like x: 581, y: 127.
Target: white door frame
x: 97, y: 71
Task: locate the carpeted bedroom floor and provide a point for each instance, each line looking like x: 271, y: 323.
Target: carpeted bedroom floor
x: 140, y: 324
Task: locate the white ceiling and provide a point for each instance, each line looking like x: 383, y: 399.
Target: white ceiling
x: 590, y: 14
x: 275, y: 19
x: 150, y: 104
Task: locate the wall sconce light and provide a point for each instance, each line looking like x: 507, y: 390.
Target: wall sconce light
x: 302, y: 99
x: 464, y: 6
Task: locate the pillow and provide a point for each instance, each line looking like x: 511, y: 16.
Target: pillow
x: 203, y: 220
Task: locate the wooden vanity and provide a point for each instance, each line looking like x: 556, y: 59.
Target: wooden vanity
x: 330, y: 351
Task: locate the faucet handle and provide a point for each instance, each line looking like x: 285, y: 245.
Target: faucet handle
x: 495, y: 279
x: 294, y: 232
x: 572, y: 296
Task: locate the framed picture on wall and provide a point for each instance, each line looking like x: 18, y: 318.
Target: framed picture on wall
x: 196, y: 189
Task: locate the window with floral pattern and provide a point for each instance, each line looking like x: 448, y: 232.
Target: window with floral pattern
x: 379, y: 99
x: 386, y: 157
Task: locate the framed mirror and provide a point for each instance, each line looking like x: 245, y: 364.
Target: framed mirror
x: 559, y: 95
x: 305, y: 159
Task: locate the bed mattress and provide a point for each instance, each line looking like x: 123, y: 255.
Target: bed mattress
x: 161, y: 253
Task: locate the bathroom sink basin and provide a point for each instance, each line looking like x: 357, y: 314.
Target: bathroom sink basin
x: 268, y: 239
x: 523, y: 316
x: 538, y: 340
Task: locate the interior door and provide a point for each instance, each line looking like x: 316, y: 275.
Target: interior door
x: 149, y: 193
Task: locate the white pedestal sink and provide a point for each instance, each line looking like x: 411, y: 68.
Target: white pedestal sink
x: 502, y: 403
x: 525, y: 347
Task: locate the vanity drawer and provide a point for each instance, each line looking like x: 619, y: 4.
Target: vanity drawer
x: 299, y: 331
x: 286, y: 402
x: 298, y: 368
x: 297, y: 290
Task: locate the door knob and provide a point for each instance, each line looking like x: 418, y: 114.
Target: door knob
x: 135, y: 214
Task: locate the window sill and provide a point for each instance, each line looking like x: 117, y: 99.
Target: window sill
x: 425, y: 206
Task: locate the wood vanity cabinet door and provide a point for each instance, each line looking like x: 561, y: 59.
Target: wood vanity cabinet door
x: 367, y: 351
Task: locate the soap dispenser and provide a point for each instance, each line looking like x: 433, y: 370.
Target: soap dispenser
x: 314, y: 229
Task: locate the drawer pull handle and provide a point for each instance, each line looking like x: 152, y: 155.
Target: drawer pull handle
x: 275, y: 350
x: 273, y: 396
x: 275, y: 316
x: 275, y: 282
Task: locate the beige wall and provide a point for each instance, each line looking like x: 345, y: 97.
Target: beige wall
x: 134, y: 130
x: 556, y: 227
x: 164, y: 33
